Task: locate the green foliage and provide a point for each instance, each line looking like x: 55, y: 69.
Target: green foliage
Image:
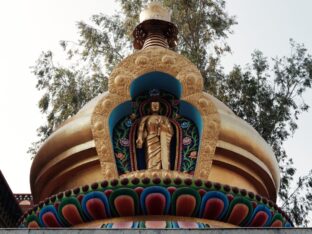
x: 65, y: 91
x: 268, y: 97
x: 299, y: 201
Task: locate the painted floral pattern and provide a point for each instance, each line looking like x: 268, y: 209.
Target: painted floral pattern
x: 128, y: 123
x: 185, y: 124
x: 124, y: 142
x: 121, y: 145
x: 189, y: 136
x: 186, y: 140
x: 193, y: 155
x: 190, y: 145
x: 120, y: 156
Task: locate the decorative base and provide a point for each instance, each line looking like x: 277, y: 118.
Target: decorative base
x: 156, y: 222
x: 162, y: 174
x: 139, y: 200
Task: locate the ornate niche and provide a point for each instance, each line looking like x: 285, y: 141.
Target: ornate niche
x: 184, y: 120
x: 169, y: 72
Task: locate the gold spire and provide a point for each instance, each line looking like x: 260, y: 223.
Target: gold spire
x: 155, y: 28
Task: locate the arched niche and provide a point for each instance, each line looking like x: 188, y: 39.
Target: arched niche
x: 184, y: 117
x: 155, y: 80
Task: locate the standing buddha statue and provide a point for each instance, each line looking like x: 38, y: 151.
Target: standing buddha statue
x: 156, y: 132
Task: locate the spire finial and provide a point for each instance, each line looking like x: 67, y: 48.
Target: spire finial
x: 155, y: 28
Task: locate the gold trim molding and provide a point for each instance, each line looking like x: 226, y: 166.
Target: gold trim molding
x: 142, y: 62
x: 210, y: 135
x: 150, y: 60
x: 101, y: 134
x: 156, y: 173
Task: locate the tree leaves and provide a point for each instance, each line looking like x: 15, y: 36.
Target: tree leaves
x: 270, y: 99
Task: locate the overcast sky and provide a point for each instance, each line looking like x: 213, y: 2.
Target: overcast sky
x: 29, y: 27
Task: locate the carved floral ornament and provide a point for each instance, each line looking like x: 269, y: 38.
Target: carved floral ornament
x: 155, y: 59
x: 146, y: 61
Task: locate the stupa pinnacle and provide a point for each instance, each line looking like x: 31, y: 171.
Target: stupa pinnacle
x: 155, y: 28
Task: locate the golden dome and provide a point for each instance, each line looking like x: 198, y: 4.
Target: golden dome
x: 79, y: 152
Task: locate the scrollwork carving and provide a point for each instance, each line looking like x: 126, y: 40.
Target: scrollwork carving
x: 156, y: 173
x: 167, y: 59
x: 100, y: 131
x: 142, y: 62
x: 155, y: 59
x: 210, y: 135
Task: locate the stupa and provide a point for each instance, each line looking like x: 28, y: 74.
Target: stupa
x: 155, y: 151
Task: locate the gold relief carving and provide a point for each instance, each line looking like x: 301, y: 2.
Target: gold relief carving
x: 191, y: 81
x: 121, y: 84
x: 155, y: 59
x: 156, y: 173
x: 106, y: 104
x: 167, y: 59
x: 210, y: 135
x: 213, y: 126
x: 103, y: 149
x: 100, y: 132
x: 141, y: 60
x: 203, y: 104
x: 119, y: 81
x: 108, y: 170
x: 99, y: 125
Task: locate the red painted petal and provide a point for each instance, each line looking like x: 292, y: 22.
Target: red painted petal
x: 96, y: 208
x: 185, y: 205
x: 71, y: 214
x: 213, y: 208
x: 259, y: 220
x: 238, y: 214
x: 50, y: 220
x: 124, y: 205
x: 155, y: 204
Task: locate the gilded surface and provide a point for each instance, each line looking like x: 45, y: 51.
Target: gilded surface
x: 155, y: 59
x: 100, y: 131
x: 142, y: 62
x: 210, y: 135
x: 156, y: 173
x: 76, y: 131
x: 156, y: 131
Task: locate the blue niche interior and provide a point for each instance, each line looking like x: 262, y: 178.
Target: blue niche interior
x: 144, y: 83
x: 166, y: 82
x: 189, y: 111
x: 161, y: 81
x: 120, y: 116
x: 155, y: 80
x: 122, y: 110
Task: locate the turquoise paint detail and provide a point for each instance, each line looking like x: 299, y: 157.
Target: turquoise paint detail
x: 186, y: 109
x: 189, y: 111
x: 117, y: 114
x: 155, y: 80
